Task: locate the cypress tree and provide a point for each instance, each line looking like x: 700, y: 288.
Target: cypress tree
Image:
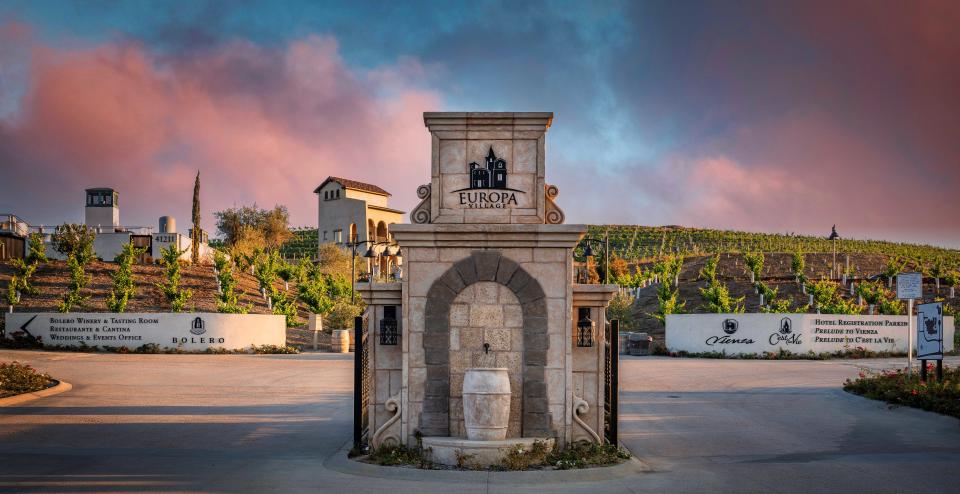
x: 195, y: 234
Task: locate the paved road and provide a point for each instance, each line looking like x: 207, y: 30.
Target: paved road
x: 232, y: 423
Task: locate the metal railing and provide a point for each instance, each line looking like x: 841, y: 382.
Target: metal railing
x: 10, y: 223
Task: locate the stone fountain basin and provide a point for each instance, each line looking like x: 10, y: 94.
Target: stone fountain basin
x: 445, y: 450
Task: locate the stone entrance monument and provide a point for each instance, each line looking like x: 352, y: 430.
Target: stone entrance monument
x: 477, y: 349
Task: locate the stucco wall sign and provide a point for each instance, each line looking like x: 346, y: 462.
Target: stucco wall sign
x: 189, y: 331
x: 799, y: 333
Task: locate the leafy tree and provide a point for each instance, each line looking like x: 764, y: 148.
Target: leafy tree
x: 37, y: 250
x: 196, y: 233
x: 342, y: 313
x: 75, y: 240
x: 618, y: 267
x: 621, y: 309
x: 123, y: 285
x: 170, y: 258
x: 272, y: 224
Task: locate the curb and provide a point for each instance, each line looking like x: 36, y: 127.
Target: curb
x: 339, y: 462
x: 61, y: 387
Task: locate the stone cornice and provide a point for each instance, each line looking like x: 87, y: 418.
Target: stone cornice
x: 488, y: 235
x: 593, y: 295
x: 380, y: 293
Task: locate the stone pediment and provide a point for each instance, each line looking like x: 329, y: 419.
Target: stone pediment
x: 487, y: 168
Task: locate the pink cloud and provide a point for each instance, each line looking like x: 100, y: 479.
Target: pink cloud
x: 803, y: 173
x: 261, y: 125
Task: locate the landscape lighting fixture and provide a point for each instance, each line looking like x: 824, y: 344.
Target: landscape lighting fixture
x: 585, y: 328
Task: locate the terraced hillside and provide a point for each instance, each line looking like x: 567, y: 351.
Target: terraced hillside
x: 635, y: 242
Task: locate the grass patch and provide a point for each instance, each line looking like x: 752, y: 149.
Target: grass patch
x: 901, y: 389
x: 17, y: 378
x: 584, y: 455
x: 539, y: 456
x: 400, y: 456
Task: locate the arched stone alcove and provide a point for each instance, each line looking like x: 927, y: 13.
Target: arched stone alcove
x: 489, y: 266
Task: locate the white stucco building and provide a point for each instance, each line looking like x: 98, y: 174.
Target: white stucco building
x: 352, y: 211
x: 102, y: 215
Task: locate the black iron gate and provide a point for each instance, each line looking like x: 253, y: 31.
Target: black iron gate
x: 611, y: 381
x: 361, y: 381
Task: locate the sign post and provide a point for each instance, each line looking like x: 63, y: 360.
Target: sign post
x: 930, y: 337
x: 910, y: 287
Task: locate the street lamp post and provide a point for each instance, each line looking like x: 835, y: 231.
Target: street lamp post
x: 588, y: 252
x: 353, y: 262
x: 833, y: 240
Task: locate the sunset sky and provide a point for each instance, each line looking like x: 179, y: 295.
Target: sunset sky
x: 763, y: 116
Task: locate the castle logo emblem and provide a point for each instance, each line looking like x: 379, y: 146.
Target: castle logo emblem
x: 491, y: 176
x: 197, y: 327
x: 487, y: 188
x: 786, y: 326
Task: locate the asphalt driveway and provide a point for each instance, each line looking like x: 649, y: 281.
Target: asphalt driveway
x: 280, y: 423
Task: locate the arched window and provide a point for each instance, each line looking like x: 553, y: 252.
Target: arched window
x: 353, y: 232
x: 371, y: 230
x: 381, y: 232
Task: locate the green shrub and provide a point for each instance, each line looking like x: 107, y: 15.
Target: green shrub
x: 17, y: 378
x: 177, y: 297
x: 285, y: 304
x: 621, y: 309
x: 342, y: 314
x: 754, y: 262
x: 274, y: 349
x: 78, y: 281
x: 582, y: 455
x: 265, y: 269
x: 123, y: 286
x: 718, y: 300
x: 228, y: 301
x: 899, y: 388
x: 798, y: 263
x: 828, y: 299
x: 400, y: 455
x: 37, y: 252
x: 709, y: 270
